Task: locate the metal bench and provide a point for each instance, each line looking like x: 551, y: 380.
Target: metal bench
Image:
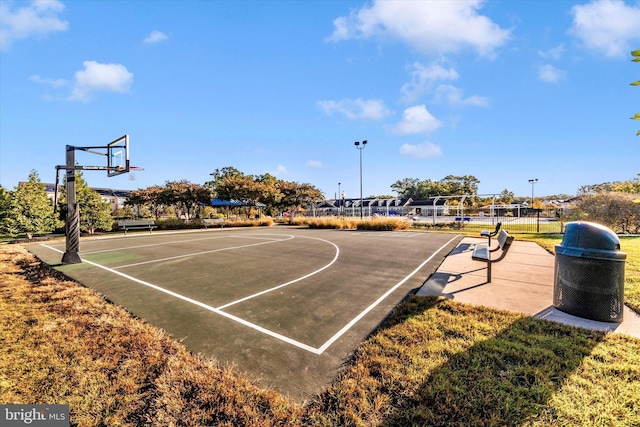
x: 482, y: 252
x: 137, y: 224
x: 219, y: 222
x: 490, y: 234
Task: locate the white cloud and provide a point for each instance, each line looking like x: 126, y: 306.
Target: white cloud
x: 280, y: 170
x: 417, y: 119
x: 454, y: 96
x: 607, y: 26
x: 355, y: 109
x: 424, y: 150
x: 314, y: 163
x: 155, y: 37
x: 553, y: 53
x: 38, y: 19
x: 424, y: 78
x: 428, y: 26
x: 54, y: 83
x: 550, y: 74
x: 98, y: 77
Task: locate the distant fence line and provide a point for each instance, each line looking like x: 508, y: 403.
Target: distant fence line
x: 518, y: 219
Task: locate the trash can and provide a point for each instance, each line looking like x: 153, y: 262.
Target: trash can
x: 589, y: 273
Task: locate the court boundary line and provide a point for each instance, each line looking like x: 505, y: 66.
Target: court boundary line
x: 355, y: 320
x: 177, y: 241
x: 203, y: 305
x: 283, y: 338
x: 206, y: 252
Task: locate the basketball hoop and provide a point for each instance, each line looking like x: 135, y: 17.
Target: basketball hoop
x: 132, y: 170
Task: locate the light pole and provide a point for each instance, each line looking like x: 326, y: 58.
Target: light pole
x: 532, y: 182
x: 339, y: 207
x: 360, y: 148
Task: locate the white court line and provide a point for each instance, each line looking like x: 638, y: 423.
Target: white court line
x: 203, y: 305
x: 335, y: 258
x: 283, y: 338
x: 348, y: 326
x: 202, y: 253
x: 173, y: 242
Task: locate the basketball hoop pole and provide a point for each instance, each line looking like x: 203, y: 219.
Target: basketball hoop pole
x: 72, y: 219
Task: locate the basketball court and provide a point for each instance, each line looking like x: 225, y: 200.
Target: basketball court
x: 287, y: 306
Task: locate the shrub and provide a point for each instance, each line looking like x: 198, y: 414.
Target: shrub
x: 330, y: 222
x: 618, y: 211
x: 262, y: 222
x: 178, y: 224
x: 384, y: 224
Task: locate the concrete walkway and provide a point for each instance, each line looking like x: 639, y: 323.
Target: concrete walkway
x: 522, y: 282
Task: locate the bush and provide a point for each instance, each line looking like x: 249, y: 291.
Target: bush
x: 330, y: 222
x: 178, y: 224
x: 262, y: 222
x: 384, y: 224
x: 618, y: 211
x: 455, y: 225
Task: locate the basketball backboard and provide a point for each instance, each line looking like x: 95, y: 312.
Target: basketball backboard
x: 118, y: 156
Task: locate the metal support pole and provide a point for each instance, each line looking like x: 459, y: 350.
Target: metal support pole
x: 361, y: 183
x: 72, y: 220
x: 360, y: 147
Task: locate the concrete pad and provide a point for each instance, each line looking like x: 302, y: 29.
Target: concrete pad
x: 522, y: 282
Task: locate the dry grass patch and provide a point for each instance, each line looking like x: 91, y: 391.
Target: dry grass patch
x: 63, y: 343
x: 261, y: 222
x: 344, y: 223
x: 350, y: 223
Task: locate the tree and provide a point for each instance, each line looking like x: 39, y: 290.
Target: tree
x: 295, y: 196
x: 506, y: 196
x: 450, y: 185
x: 245, y: 189
x: 405, y: 187
x: 231, y: 184
x: 28, y: 210
x: 185, y: 197
x: 271, y: 192
x: 631, y: 186
x: 218, y: 185
x: 93, y: 211
x: 459, y: 185
x: 5, y: 204
x: 615, y: 210
x: 146, y: 199
x: 636, y: 58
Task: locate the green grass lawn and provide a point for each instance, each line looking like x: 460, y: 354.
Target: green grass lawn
x: 435, y: 362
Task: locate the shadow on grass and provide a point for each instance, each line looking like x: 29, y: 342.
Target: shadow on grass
x: 503, y: 380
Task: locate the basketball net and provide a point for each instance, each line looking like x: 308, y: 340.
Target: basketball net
x: 132, y: 172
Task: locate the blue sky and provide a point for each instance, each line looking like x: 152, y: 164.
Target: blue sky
x: 503, y: 90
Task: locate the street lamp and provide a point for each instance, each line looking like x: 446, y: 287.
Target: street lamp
x: 360, y: 148
x: 339, y: 207
x: 532, y: 182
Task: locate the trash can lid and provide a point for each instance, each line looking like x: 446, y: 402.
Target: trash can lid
x: 590, y: 235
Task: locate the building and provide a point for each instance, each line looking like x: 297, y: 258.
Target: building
x: 116, y: 198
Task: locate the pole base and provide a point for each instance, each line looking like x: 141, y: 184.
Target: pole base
x: 71, y: 258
